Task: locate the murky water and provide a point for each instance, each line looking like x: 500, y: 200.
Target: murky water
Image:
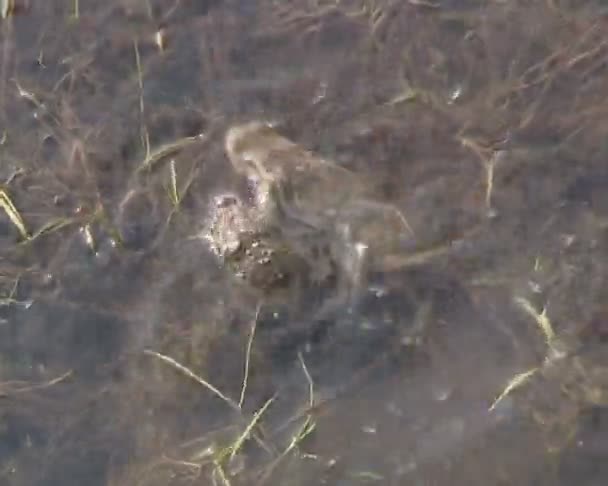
x: 129, y: 354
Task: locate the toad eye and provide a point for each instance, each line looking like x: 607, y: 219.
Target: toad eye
x: 244, y: 164
x: 226, y: 201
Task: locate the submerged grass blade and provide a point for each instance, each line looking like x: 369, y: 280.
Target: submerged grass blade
x: 307, y: 428
x: 233, y: 449
x: 542, y: 320
x: 238, y: 444
x: 515, y: 382
x: 248, y: 356
x: 170, y: 361
x: 13, y: 388
x: 13, y: 214
x: 311, y: 385
x: 6, y: 8
x: 145, y: 138
x: 367, y: 476
x: 167, y: 150
x: 52, y: 226
x: 221, y: 474
x: 173, y: 190
x: 304, y: 430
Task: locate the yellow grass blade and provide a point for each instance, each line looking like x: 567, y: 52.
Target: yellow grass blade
x: 13, y: 214
x: 515, y: 382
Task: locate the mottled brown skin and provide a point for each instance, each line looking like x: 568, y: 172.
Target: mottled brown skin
x: 306, y: 188
x: 260, y: 256
x: 320, y: 209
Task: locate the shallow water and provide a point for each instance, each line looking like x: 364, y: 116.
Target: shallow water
x: 483, y: 124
